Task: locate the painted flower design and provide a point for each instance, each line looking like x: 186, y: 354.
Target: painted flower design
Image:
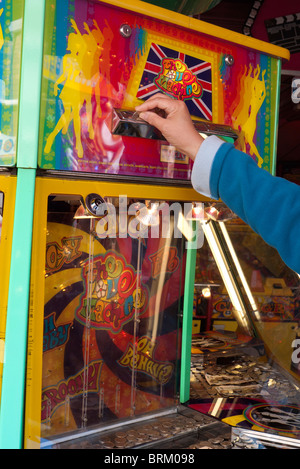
x: 171, y: 74
x: 100, y: 289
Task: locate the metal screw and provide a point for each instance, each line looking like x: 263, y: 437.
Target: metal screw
x: 125, y: 30
x: 229, y: 60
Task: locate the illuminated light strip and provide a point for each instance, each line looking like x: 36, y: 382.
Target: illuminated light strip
x: 224, y: 270
x: 218, y: 403
x: 239, y: 269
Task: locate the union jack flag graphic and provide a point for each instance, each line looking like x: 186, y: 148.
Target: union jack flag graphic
x: 155, y: 79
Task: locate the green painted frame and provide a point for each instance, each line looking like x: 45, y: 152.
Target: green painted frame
x: 187, y: 321
x: 13, y: 384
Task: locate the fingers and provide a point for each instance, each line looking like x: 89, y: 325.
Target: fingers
x: 159, y: 100
x: 177, y: 127
x: 171, y: 107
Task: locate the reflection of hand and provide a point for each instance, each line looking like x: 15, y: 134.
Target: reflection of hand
x: 177, y: 127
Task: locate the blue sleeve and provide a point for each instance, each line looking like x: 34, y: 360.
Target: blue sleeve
x: 269, y: 205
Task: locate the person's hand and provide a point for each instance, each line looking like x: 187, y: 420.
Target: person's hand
x: 177, y: 127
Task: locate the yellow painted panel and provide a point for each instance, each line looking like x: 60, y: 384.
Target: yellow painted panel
x: 78, y: 188
x: 8, y: 187
x: 200, y: 26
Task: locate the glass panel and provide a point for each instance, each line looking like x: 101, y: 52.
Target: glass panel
x: 275, y: 289
x: 245, y: 346
x: 11, y: 12
x: 112, y: 312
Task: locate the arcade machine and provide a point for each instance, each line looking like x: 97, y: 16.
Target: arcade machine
x: 119, y: 237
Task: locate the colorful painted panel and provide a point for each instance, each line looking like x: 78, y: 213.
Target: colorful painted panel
x: 11, y: 12
x: 102, y: 57
x: 179, y: 75
x: 111, y: 322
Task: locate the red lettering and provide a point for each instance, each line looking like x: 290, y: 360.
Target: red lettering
x: 126, y: 283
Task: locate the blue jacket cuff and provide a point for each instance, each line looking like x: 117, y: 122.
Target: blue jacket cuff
x: 203, y: 163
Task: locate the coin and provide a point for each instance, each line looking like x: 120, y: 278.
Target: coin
x: 121, y: 445
x: 216, y: 440
x: 153, y: 433
x: 226, y: 444
x: 120, y: 440
x: 109, y: 444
